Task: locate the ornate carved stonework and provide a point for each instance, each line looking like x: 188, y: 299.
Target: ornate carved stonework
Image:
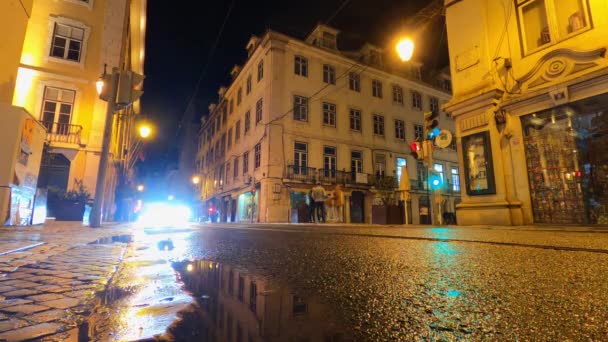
x: 559, y: 64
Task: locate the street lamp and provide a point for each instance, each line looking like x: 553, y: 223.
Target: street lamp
x: 99, y: 85
x: 196, y: 180
x: 140, y: 188
x: 144, y: 130
x: 405, y: 49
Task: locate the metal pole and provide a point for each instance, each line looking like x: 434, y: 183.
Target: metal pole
x: 95, y: 218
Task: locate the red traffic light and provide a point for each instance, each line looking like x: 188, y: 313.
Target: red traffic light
x: 415, y: 146
x: 578, y: 174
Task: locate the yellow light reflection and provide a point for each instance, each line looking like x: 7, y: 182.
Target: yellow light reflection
x: 25, y: 79
x: 405, y: 49
x: 190, y: 268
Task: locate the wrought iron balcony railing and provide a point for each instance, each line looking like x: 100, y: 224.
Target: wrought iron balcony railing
x: 63, y: 133
x: 301, y: 173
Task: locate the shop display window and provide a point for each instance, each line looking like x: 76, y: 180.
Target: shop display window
x: 479, y: 175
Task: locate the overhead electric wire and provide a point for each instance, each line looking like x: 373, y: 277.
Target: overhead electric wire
x: 344, y: 3
x: 209, y: 57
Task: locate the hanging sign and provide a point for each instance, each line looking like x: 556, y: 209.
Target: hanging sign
x: 444, y: 139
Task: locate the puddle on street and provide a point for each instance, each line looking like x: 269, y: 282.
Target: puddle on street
x: 112, y: 239
x: 235, y: 304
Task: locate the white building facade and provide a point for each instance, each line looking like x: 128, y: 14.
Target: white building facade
x: 299, y: 113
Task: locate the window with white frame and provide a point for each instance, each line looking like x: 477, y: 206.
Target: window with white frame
x: 67, y: 42
x: 329, y: 74
x: 544, y: 22
x: 355, y: 119
x: 258, y: 111
x: 455, y: 179
x: 57, y: 109
x: 257, y: 157
x: 377, y: 89
x: 329, y: 161
x: 378, y: 124
x: 439, y: 169
x: 400, y: 129
x: 300, y: 157
x: 416, y: 100
x: 356, y: 161
x: 418, y: 132
x: 300, y: 108
x: 433, y: 103
x: 329, y: 114
x: 260, y: 70
x: 301, y: 66
x: 397, y: 94
x: 380, y: 164
x: 245, y: 162
x: 354, y: 81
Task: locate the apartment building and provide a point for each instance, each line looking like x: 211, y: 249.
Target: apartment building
x: 302, y: 112
x: 67, y: 45
x: 530, y: 103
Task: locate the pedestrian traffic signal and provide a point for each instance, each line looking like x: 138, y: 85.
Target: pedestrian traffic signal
x: 430, y: 123
x: 129, y: 87
x: 417, y: 151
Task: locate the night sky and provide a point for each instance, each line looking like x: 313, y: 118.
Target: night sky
x: 180, y: 37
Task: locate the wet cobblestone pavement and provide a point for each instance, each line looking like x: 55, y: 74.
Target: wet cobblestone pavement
x: 382, y: 288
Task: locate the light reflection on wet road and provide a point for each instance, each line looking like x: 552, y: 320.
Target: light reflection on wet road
x: 383, y: 288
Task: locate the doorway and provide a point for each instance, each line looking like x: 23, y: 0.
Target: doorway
x: 356, y: 207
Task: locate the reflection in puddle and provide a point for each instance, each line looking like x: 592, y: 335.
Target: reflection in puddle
x: 112, y: 239
x: 236, y: 305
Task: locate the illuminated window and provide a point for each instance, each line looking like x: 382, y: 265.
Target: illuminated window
x: 67, y: 42
x: 57, y: 108
x: 545, y: 22
x: 400, y: 162
x: 455, y: 180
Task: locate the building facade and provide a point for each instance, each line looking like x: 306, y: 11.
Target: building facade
x: 67, y: 45
x: 529, y: 100
x: 300, y: 113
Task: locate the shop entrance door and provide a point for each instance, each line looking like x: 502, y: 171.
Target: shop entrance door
x: 356, y: 207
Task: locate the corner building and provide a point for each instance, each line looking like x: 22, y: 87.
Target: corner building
x: 301, y: 112
x: 530, y: 103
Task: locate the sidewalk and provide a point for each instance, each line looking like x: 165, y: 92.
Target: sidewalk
x: 50, y: 275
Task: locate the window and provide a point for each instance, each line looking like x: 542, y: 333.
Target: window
x: 223, y: 144
x: 329, y: 161
x: 400, y: 163
x: 235, y: 173
x: 301, y: 66
x: 241, y: 292
x: 439, y: 169
x: 299, y: 306
x: 224, y: 114
x: 300, y: 157
x: 329, y: 114
x: 245, y: 162
x: 253, y: 295
x: 258, y: 111
x: 421, y: 171
x: 247, y: 121
x: 416, y: 100
x: 67, y: 42
x: 543, y: 22
x: 418, y: 132
x: 260, y: 70
x: 227, y: 173
x: 229, y: 138
x: 446, y: 84
x: 257, y: 158
x: 380, y: 165
x: 239, y: 96
x: 231, y: 282
x: 377, y: 89
x: 300, y: 108
x: 355, y: 120
x: 248, y: 85
x: 455, y: 180
x: 329, y: 74
x: 433, y: 104
x: 354, y: 81
x: 397, y: 94
x: 237, y: 131
x: 417, y: 72
x: 400, y: 129
x: 57, y: 108
x: 378, y: 124
x: 356, y: 161
x: 231, y: 106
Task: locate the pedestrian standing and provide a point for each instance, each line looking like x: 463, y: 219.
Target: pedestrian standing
x: 318, y: 194
x: 310, y: 205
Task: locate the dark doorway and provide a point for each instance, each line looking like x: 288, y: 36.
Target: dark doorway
x: 356, y: 207
x: 54, y: 171
x: 424, y: 210
x: 233, y: 210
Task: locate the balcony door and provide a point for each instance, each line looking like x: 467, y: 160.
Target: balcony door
x: 300, y: 158
x: 57, y: 108
x: 329, y: 161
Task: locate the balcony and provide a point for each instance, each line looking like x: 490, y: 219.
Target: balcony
x: 301, y: 173
x: 63, y: 133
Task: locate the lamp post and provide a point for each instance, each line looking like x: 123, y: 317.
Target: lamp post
x: 112, y: 89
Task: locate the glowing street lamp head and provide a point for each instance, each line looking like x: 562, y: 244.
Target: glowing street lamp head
x: 140, y: 187
x: 144, y: 131
x: 405, y: 49
x: 196, y: 179
x: 99, y: 85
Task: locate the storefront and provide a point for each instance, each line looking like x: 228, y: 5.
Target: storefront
x: 566, y: 150
x: 247, y: 207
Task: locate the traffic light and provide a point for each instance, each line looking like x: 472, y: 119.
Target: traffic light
x: 435, y: 181
x: 430, y: 124
x: 104, y: 85
x: 129, y: 87
x: 417, y: 151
